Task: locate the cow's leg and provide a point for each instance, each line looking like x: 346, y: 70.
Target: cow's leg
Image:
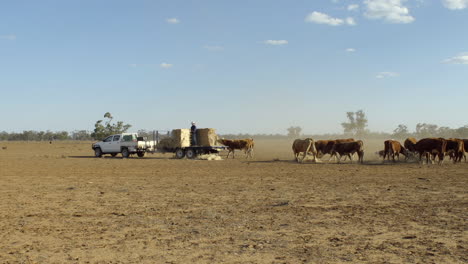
x: 304, y: 156
x: 338, y: 159
x: 314, y: 157
x: 429, y: 157
x: 296, y: 156
x: 441, y: 158
x: 350, y: 158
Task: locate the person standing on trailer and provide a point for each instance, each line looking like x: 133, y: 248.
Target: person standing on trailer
x: 193, y: 134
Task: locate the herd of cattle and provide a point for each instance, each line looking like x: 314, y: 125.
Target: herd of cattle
x: 430, y: 148
x: 343, y: 147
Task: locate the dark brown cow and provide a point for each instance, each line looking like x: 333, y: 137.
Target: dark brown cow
x: 455, y: 149
x: 321, y: 147
x: 465, y: 146
x: 325, y: 146
x: 431, y: 146
x: 242, y: 144
x: 394, y: 148
x: 348, y: 149
x: 304, y: 146
x: 409, y: 144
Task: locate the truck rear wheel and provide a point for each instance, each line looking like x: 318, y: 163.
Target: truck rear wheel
x: 125, y: 153
x: 140, y: 154
x: 191, y: 153
x: 180, y: 153
x: 97, y: 152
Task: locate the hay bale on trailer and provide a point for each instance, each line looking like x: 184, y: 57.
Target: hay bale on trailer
x: 181, y: 137
x: 207, y: 137
x: 166, y: 144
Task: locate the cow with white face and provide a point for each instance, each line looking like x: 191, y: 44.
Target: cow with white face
x: 304, y: 146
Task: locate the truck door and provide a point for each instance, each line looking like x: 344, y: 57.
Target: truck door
x: 115, y: 146
x: 106, y: 145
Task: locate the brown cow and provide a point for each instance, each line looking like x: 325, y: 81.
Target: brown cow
x: 394, y: 148
x: 431, y: 146
x: 325, y: 146
x: 409, y: 144
x: 321, y: 147
x: 348, y: 149
x: 465, y: 146
x: 455, y: 149
x: 242, y: 144
x: 305, y: 146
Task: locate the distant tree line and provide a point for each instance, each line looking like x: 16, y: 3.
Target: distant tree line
x: 31, y: 135
x: 355, y: 127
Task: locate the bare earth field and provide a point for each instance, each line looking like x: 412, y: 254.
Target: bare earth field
x: 59, y: 204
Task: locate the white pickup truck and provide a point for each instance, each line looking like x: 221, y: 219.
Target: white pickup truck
x: 126, y: 143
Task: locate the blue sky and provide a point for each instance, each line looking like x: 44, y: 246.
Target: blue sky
x: 256, y: 66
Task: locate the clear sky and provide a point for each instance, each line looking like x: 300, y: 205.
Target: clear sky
x: 245, y: 66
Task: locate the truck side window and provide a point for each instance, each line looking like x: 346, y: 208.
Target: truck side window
x: 127, y: 138
x: 108, y: 139
x: 116, y: 138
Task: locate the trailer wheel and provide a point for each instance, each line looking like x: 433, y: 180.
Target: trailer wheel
x: 180, y: 153
x: 125, y: 153
x: 140, y: 154
x: 191, y: 153
x: 97, y: 152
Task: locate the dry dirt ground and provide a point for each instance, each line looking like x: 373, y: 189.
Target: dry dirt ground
x: 59, y: 204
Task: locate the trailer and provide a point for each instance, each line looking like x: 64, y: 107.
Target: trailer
x: 191, y: 152
x: 178, y: 141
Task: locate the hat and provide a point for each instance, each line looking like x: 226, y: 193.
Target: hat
x: 193, y: 122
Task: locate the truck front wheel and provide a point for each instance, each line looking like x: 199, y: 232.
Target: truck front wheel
x: 125, y: 153
x: 97, y: 152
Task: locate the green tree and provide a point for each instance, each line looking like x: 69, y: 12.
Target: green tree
x: 103, y: 130
x: 401, y: 131
x: 357, y: 123
x: 294, y: 131
x: 424, y: 130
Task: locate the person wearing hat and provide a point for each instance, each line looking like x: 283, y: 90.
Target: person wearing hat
x: 193, y: 134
